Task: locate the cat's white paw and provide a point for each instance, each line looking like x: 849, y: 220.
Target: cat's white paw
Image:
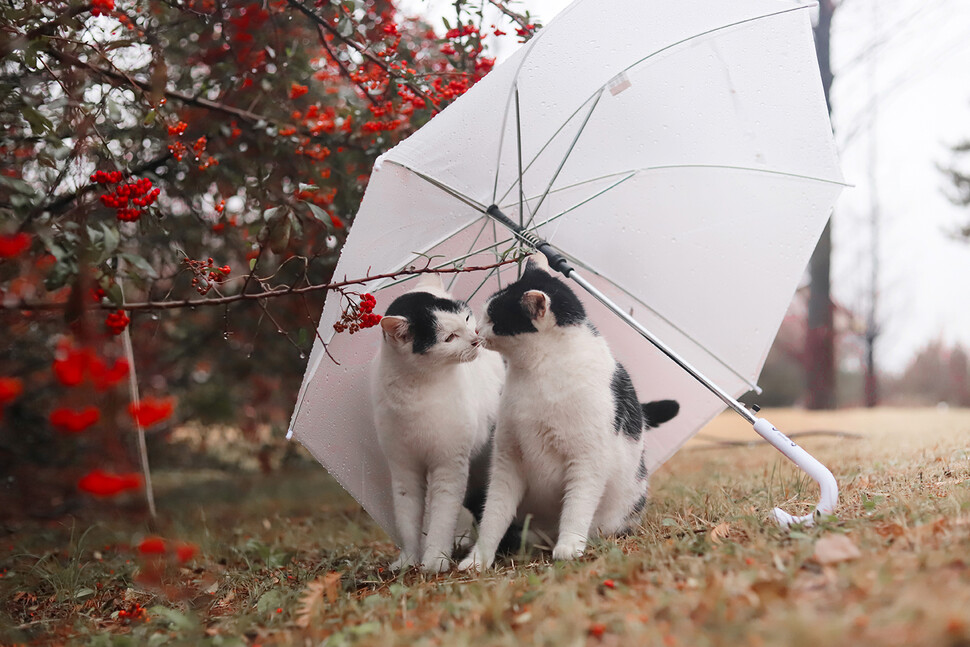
x: 476, y: 561
x: 569, y: 547
x: 402, y: 562
x: 435, y: 564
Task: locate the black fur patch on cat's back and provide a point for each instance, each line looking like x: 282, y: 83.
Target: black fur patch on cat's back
x: 659, y: 411
x: 418, y: 308
x: 627, y: 413
x: 510, y: 318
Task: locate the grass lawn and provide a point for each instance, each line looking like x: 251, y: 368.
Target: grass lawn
x: 288, y: 558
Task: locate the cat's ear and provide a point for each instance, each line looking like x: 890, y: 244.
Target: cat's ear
x: 538, y: 261
x: 432, y: 280
x: 536, y: 304
x: 396, y: 328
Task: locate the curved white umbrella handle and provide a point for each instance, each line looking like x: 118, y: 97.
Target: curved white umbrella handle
x: 826, y: 482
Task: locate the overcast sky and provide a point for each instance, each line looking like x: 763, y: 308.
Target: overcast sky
x: 914, y: 57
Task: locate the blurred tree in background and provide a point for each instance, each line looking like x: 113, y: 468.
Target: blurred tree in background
x: 185, y: 171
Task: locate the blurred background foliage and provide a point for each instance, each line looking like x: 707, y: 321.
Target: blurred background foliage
x: 256, y: 125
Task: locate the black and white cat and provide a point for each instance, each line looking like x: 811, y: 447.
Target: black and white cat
x: 435, y: 394
x: 568, y: 446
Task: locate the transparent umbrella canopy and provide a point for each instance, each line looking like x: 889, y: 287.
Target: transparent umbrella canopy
x: 680, y: 155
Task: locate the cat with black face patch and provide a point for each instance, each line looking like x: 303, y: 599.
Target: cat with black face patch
x: 568, y: 446
x: 435, y: 394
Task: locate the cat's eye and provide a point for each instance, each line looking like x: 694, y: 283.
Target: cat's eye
x: 452, y: 337
x: 468, y: 317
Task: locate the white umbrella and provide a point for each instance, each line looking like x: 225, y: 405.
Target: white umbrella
x: 678, y: 153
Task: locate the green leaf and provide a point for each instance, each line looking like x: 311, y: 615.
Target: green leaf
x: 114, y: 294
x: 345, y: 26
x: 175, y: 619
x: 269, y: 602
x: 296, y: 225
x: 319, y: 214
x: 112, y: 238
x: 280, y: 236
x: 270, y: 213
x: 39, y: 124
x: 141, y: 264
x: 150, y: 117
x: 82, y: 593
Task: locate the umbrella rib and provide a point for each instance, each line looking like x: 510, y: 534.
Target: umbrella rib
x: 505, y: 115
x: 602, y: 88
x: 631, y: 172
x: 565, y: 158
x: 454, y: 278
x: 546, y: 145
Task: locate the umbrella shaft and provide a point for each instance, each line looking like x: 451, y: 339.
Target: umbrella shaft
x: 666, y: 350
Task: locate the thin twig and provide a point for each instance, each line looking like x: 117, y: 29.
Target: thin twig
x: 343, y: 68
x: 366, y: 53
x: 517, y: 17
x: 253, y: 296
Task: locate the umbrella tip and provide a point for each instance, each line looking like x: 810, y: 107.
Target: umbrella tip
x: 289, y: 433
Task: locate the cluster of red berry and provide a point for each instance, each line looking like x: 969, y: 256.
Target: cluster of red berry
x: 134, y: 613
x: 178, y: 129
x: 206, y: 275
x: 99, y: 7
x: 138, y: 193
x: 106, y: 177
x: 116, y: 322
x: 360, y: 316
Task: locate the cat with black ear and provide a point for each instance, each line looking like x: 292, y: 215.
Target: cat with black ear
x: 568, y: 446
x: 435, y: 393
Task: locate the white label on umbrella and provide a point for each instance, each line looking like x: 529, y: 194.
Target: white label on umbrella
x: 618, y: 83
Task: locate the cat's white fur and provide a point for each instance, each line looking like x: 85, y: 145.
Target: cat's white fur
x: 556, y: 454
x: 433, y: 411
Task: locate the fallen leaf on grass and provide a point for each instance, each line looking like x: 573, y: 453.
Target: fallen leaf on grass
x: 890, y: 530
x: 720, y: 532
x: 770, y: 590
x: 832, y: 549
x: 323, y: 589
x: 331, y: 586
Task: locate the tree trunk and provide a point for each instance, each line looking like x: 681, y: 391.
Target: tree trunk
x: 820, y: 339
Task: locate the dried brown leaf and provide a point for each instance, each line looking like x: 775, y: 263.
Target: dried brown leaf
x: 311, y: 602
x: 331, y: 586
x: 720, y: 532
x: 323, y: 590
x: 832, y: 549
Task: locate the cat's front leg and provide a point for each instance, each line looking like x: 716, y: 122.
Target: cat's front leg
x: 506, y: 488
x: 408, y: 485
x: 446, y: 490
x: 585, y: 484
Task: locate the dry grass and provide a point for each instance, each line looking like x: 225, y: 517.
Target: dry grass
x: 289, y: 559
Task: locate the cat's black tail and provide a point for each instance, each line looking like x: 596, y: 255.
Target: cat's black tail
x: 658, y: 412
